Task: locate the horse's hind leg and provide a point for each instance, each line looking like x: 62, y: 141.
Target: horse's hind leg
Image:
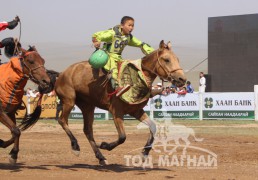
x: 118, y: 120
x: 144, y: 118
x: 88, y: 116
x: 63, y: 121
x: 10, y: 123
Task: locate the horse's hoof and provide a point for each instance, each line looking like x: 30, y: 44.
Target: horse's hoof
x: 144, y: 157
x: 98, y: 144
x: 105, y: 145
x: 103, y: 162
x: 12, y: 161
x: 76, y: 153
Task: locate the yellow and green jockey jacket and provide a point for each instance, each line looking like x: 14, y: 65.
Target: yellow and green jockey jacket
x: 115, y: 42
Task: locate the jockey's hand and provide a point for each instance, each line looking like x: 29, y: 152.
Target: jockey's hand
x: 12, y: 24
x: 17, y: 19
x: 97, y: 44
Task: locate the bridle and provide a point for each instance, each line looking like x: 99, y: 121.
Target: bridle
x: 30, y: 75
x: 168, y: 73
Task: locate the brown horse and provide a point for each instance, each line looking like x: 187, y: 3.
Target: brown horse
x: 14, y: 76
x: 85, y: 87
x: 80, y: 85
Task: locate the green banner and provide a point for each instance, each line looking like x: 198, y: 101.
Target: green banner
x: 228, y: 114
x: 176, y: 114
x: 127, y: 116
x: 97, y: 116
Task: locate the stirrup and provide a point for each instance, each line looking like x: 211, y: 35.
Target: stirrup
x: 122, y: 90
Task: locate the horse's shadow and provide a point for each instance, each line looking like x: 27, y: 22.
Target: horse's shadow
x: 111, y: 168
x: 20, y: 166
x: 118, y: 168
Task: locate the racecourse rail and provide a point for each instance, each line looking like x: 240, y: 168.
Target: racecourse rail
x: 210, y: 105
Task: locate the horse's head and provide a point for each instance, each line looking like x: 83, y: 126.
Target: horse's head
x: 34, y: 67
x: 165, y: 64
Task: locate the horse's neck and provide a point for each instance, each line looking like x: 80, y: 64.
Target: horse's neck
x: 149, y: 66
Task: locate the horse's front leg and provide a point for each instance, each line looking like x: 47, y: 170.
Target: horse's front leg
x: 10, y: 123
x: 63, y: 121
x: 144, y: 118
x: 88, y: 116
x: 118, y: 120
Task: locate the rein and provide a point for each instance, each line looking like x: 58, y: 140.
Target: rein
x: 169, y: 74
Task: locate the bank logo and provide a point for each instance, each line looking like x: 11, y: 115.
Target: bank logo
x: 208, y: 102
x: 158, y: 103
x: 172, y: 147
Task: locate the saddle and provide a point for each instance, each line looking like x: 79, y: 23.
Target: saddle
x: 130, y: 72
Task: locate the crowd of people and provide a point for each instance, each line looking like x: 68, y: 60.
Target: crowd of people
x: 173, y: 89
x: 187, y: 88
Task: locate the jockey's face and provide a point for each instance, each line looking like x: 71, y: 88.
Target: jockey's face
x: 127, y: 27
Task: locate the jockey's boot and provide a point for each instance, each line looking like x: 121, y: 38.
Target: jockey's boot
x: 122, y: 90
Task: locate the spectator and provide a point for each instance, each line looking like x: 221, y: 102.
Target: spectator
x: 202, y: 83
x: 173, y: 87
x: 189, y: 87
x: 182, y: 91
x: 172, y: 90
x: 155, y: 90
x: 59, y: 107
x: 173, y: 84
x: 166, y: 91
x: 31, y: 93
x: 158, y: 86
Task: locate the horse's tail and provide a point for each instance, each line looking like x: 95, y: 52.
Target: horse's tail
x: 32, y: 118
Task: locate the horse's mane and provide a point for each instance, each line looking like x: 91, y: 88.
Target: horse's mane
x: 149, y: 55
x: 53, y: 75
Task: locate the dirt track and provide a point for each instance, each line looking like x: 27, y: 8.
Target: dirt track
x: 45, y: 153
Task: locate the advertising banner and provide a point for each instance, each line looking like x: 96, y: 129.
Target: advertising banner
x: 48, y: 106
x: 176, y: 106
x: 99, y: 114
x: 238, y: 105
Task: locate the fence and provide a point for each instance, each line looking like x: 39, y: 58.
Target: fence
x: 231, y: 105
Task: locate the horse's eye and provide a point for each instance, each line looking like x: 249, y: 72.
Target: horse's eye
x: 30, y: 61
x: 167, y: 60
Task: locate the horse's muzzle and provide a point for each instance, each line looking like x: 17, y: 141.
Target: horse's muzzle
x: 180, y: 82
x: 45, y: 87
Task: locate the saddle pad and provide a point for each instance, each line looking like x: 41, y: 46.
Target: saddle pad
x: 12, y: 82
x: 130, y: 72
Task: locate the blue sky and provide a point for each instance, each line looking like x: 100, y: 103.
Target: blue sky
x: 62, y: 29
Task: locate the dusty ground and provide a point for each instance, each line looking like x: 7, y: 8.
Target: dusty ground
x: 45, y: 153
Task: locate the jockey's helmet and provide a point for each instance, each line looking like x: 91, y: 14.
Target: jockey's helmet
x: 98, y: 59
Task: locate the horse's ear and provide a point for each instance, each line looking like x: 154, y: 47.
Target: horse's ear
x: 169, y: 45
x: 23, y: 51
x: 34, y: 48
x: 162, y: 45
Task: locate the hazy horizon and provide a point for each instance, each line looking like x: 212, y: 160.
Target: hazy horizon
x: 62, y: 30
